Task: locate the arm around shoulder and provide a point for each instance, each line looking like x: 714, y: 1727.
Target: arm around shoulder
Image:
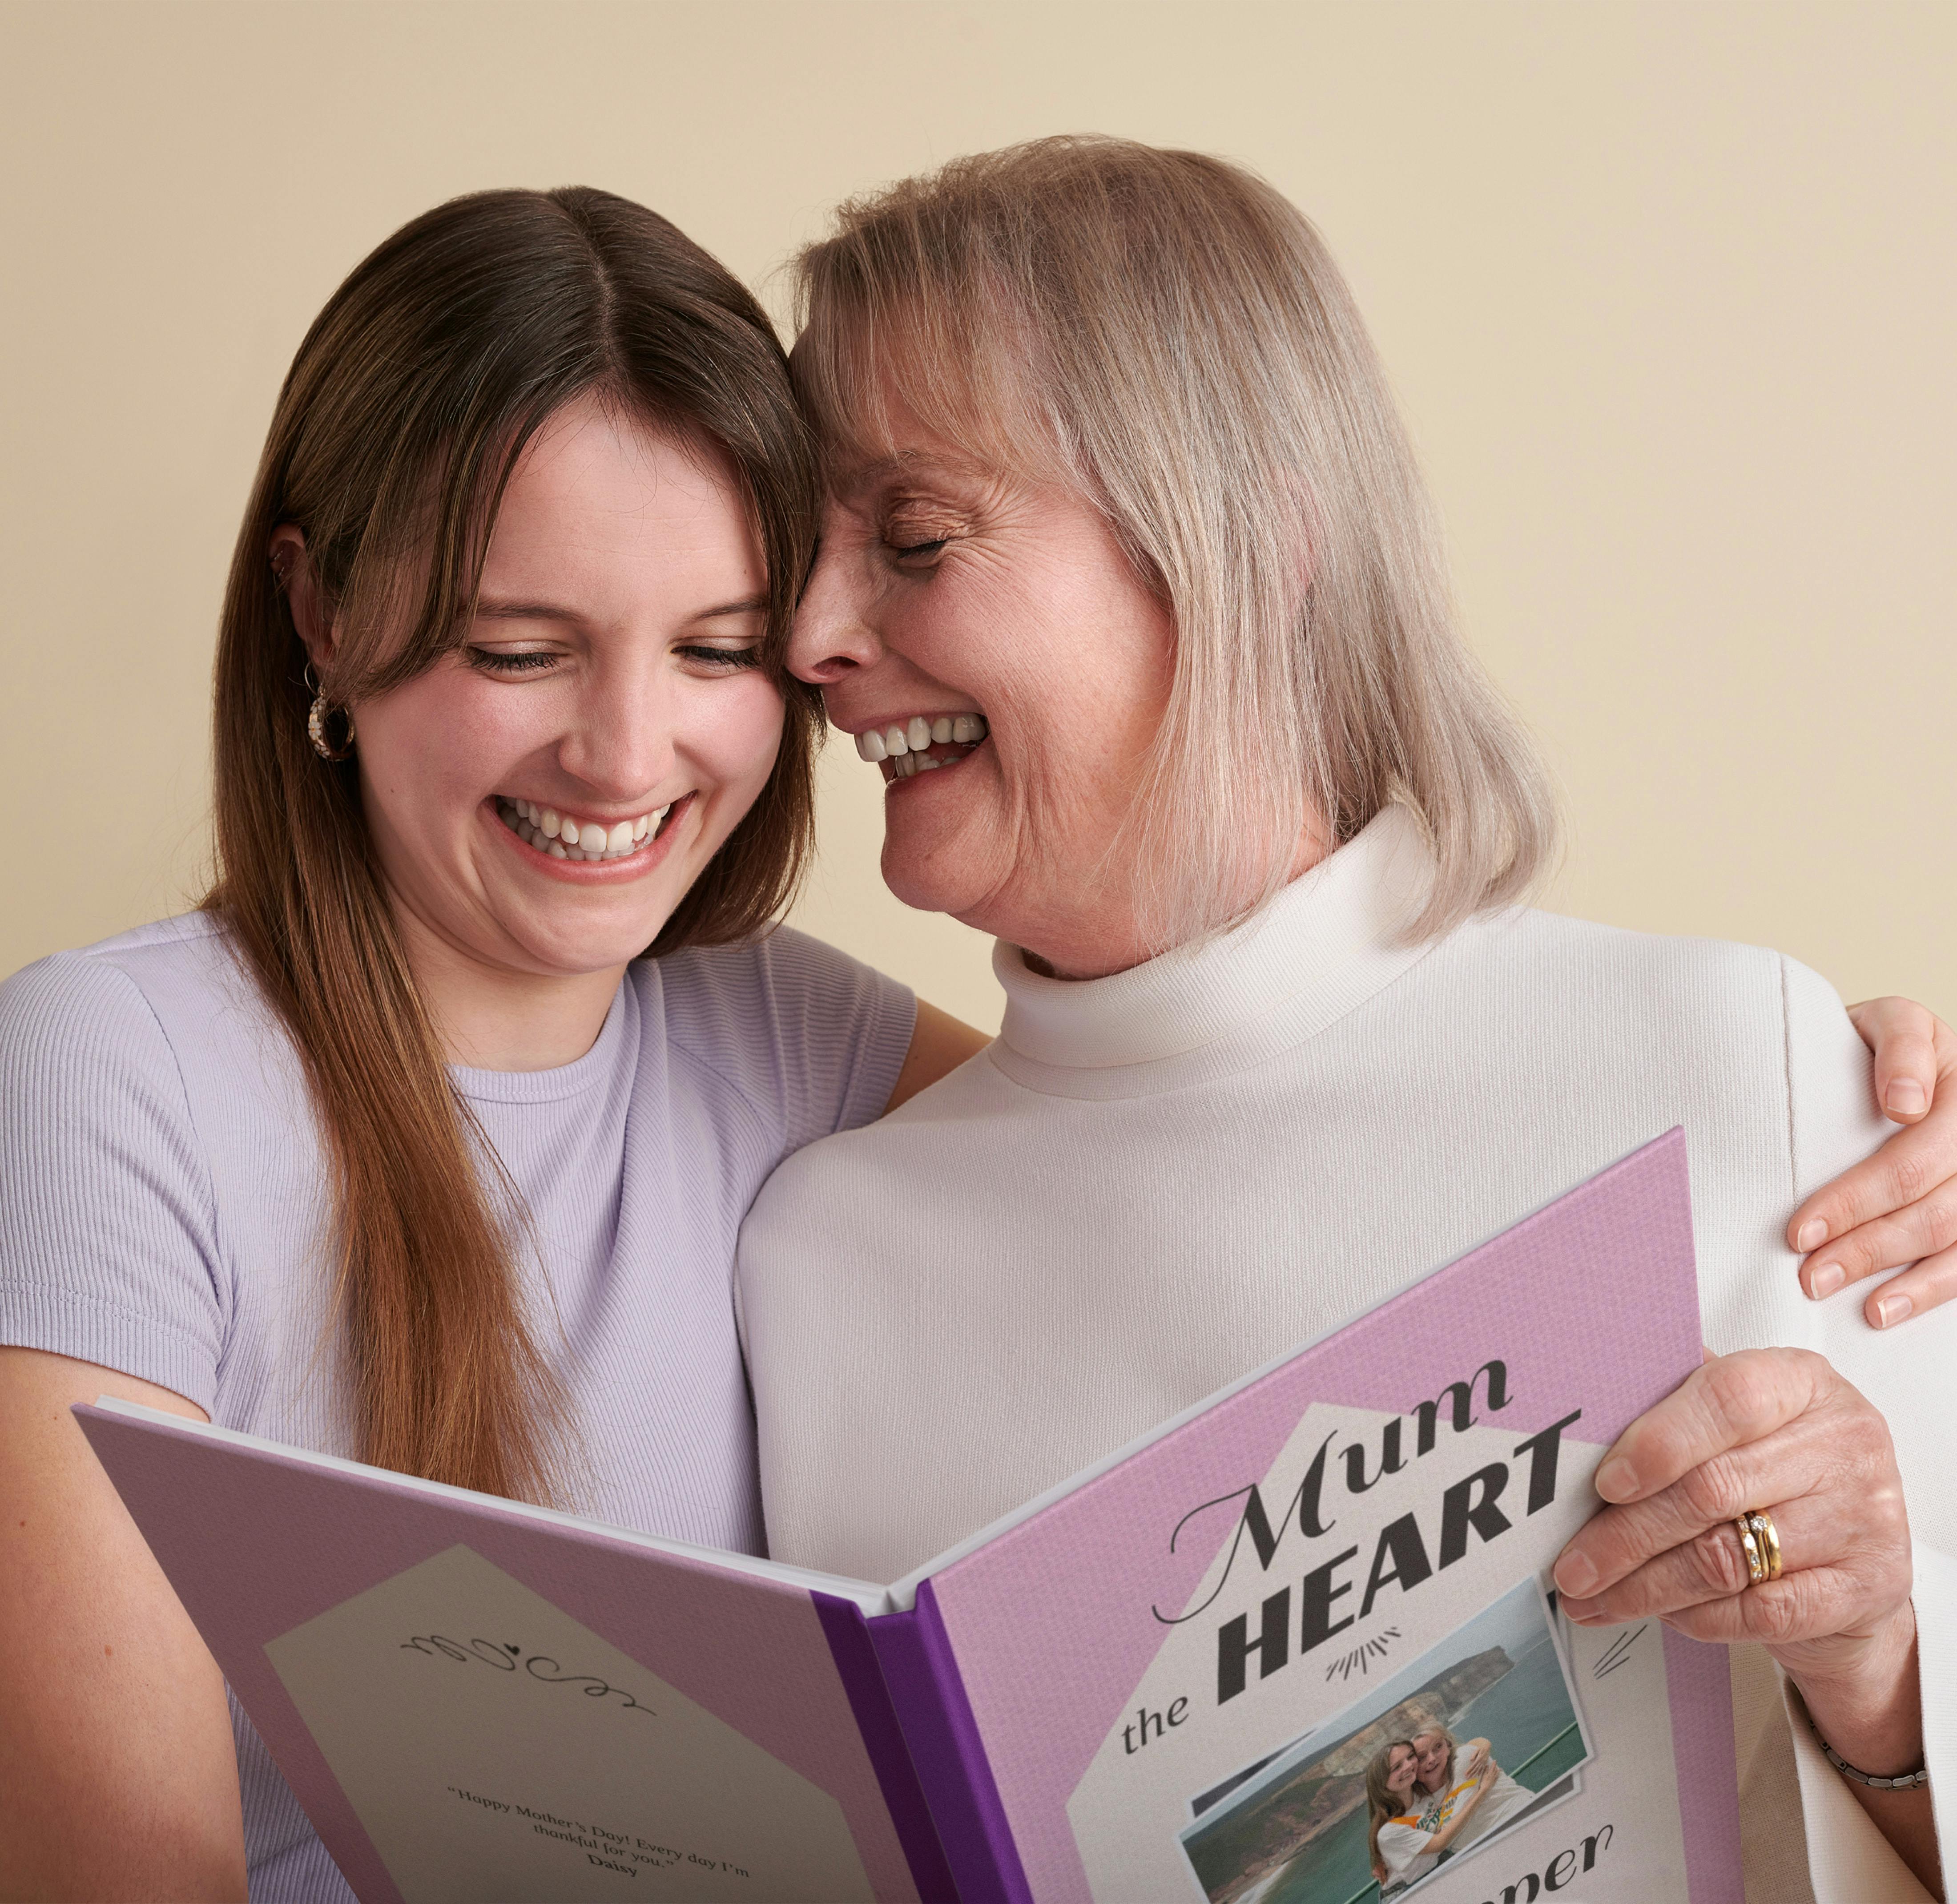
x: 939, y: 1045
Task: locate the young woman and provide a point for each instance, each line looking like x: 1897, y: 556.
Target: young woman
x: 1408, y: 1828
x: 400, y: 1147
x: 1443, y: 1765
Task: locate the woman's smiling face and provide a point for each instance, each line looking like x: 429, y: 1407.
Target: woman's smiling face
x: 1402, y: 1769
x: 945, y: 590
x: 541, y: 800
x: 1434, y: 1755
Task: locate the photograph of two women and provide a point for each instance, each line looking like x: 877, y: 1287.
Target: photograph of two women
x: 760, y: 751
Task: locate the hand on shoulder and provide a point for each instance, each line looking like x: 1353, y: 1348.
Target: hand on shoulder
x: 1900, y: 1205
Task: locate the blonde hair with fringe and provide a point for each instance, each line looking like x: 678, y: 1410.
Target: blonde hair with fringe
x: 1168, y: 335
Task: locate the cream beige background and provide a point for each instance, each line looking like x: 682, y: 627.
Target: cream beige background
x: 1667, y: 291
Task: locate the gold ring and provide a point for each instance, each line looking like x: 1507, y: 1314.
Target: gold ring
x: 1757, y: 1563
x: 1768, y: 1538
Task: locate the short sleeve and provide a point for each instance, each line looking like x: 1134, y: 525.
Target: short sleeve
x: 1400, y: 1845
x: 107, y: 1243
x: 812, y: 1035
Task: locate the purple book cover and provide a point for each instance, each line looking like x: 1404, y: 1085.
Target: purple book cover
x: 1182, y: 1668
x: 1165, y: 1680
x: 474, y: 1699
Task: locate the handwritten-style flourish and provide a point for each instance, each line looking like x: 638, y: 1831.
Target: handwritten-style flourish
x: 506, y: 1657
x: 588, y: 1683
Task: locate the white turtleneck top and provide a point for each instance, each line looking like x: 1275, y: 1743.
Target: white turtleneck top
x: 1121, y: 1205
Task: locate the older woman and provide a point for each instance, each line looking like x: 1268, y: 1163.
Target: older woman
x: 1115, y: 469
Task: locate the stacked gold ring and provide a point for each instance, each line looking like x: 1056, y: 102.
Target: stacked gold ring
x: 1760, y: 1540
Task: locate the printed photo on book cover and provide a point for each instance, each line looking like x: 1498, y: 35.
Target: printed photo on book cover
x: 1424, y: 1769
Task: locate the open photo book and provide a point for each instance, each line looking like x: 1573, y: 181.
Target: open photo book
x: 1166, y: 1679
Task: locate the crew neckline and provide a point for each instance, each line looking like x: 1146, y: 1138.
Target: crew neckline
x: 1321, y: 946
x: 580, y: 1075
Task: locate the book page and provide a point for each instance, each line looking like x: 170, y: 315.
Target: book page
x: 493, y: 1747
x: 1186, y: 1670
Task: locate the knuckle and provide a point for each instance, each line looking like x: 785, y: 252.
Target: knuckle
x: 1777, y: 1617
x: 1931, y: 1284
x: 1718, y: 1560
x: 1937, y: 1220
x: 1741, y: 1387
x: 1860, y: 1252
x: 1711, y: 1491
x: 1911, y: 1174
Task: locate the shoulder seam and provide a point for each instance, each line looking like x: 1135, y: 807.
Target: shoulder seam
x: 700, y: 1062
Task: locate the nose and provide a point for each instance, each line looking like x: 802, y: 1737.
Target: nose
x: 831, y: 637
x: 620, y: 743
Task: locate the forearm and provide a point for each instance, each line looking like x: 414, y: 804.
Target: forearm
x: 118, y: 1778
x: 1448, y: 1832
x: 1874, y: 1718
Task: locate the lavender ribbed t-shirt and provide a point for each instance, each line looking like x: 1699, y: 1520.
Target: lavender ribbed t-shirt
x: 165, y: 1204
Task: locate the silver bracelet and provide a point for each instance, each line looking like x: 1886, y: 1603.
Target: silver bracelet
x: 1904, y: 1781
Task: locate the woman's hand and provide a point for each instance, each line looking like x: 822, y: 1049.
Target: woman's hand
x: 1475, y: 1760
x: 1899, y: 1206
x: 1775, y: 1429
x: 1463, y: 1812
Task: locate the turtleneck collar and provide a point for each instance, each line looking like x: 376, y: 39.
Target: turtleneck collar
x: 1321, y: 946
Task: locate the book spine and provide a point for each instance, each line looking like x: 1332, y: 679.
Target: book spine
x: 952, y: 1769
x: 857, y: 1663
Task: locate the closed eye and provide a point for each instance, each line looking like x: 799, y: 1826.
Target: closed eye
x: 523, y: 661
x: 727, y: 659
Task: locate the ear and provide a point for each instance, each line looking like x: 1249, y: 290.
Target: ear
x: 293, y: 566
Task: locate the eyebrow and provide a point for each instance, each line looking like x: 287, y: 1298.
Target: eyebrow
x: 497, y: 608
x: 853, y: 478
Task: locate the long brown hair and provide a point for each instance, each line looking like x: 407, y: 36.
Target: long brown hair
x: 409, y: 401
x: 1381, y: 1804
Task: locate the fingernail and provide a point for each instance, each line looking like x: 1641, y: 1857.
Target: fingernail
x: 1906, y: 1098
x: 1616, y: 1479
x: 1825, y: 1279
x: 1575, y: 1574
x: 1891, y: 1309
x: 1811, y: 1236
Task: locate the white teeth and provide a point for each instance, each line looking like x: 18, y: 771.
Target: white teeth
x: 905, y: 745
x: 564, y: 838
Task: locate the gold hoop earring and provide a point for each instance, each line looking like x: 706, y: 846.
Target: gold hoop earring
x: 322, y: 712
